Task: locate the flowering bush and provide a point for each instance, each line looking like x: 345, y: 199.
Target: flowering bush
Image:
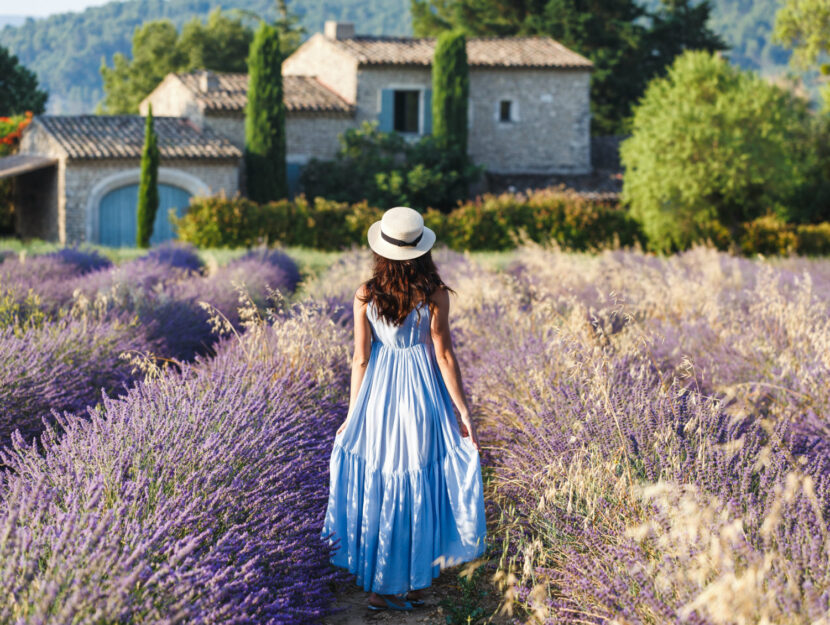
x: 655, y: 429
x: 195, y: 497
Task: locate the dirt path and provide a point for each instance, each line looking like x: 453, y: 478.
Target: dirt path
x: 444, y: 589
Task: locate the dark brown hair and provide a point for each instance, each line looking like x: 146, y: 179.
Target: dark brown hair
x: 398, y: 286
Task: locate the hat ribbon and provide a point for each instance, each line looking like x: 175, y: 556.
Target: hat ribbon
x: 400, y: 242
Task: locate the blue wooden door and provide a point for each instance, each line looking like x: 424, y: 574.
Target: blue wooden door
x: 117, y: 215
x: 292, y: 174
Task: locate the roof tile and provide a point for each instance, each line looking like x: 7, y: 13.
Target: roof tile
x: 230, y: 93
x: 542, y: 52
x: 122, y: 136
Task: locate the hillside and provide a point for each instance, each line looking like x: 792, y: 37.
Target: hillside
x: 66, y: 50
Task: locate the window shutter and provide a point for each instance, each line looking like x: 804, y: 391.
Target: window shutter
x: 386, y: 117
x: 427, y: 111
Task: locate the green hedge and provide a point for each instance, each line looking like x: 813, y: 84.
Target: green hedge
x: 770, y: 236
x: 489, y: 222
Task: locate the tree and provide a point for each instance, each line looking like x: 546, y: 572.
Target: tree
x: 158, y: 49
x: 148, y: 190
x: 450, y: 90
x: 677, y: 26
x: 618, y: 36
x: 265, y: 118
x: 712, y: 146
x: 18, y: 87
x: 804, y: 26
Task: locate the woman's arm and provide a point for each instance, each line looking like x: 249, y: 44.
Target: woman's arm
x: 362, y: 349
x: 448, y: 364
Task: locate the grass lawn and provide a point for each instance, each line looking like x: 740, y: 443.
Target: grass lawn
x: 311, y: 261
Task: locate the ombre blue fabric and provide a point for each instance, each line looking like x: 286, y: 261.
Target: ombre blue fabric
x: 406, y: 496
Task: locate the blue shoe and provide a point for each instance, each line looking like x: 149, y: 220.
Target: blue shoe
x: 404, y: 607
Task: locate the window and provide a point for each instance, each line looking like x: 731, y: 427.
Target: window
x: 505, y: 111
x: 406, y: 110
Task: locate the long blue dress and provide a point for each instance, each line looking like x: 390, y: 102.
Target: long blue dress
x: 406, y: 495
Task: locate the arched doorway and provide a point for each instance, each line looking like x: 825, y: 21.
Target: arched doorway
x: 117, y: 214
x: 112, y: 203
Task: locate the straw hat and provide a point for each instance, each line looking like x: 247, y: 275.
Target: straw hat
x: 400, y: 234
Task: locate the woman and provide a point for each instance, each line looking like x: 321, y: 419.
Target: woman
x: 406, y: 495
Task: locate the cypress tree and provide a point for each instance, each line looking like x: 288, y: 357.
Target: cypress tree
x: 148, y: 190
x: 265, y: 118
x: 450, y: 90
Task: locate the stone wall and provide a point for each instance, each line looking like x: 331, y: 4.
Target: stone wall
x: 313, y: 135
x: 231, y: 125
x: 87, y: 181
x: 551, y: 128
x: 47, y: 221
x: 332, y: 67
x: 372, y: 79
x: 172, y: 98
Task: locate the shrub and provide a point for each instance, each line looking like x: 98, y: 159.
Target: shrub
x: 486, y: 223
x: 63, y: 364
x: 386, y: 170
x: 565, y: 217
x: 767, y: 235
x: 712, y: 143
x: 174, y: 254
x: 195, y: 498
x: 813, y: 239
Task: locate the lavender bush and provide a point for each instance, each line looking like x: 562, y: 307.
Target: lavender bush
x: 150, y: 305
x: 656, y: 444
x: 655, y: 431
x: 194, y: 498
x: 63, y: 365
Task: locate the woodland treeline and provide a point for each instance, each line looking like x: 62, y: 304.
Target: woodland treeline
x: 66, y: 51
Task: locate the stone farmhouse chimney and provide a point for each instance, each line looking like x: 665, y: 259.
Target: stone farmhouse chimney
x: 208, y: 81
x: 338, y: 30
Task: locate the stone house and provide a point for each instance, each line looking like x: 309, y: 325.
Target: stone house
x: 529, y: 109
x: 77, y: 175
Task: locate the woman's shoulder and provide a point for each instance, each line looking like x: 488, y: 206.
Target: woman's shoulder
x: 439, y: 299
x: 362, y: 291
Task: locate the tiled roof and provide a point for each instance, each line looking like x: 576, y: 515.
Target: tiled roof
x: 122, y: 136
x: 16, y: 164
x: 481, y: 51
x: 230, y: 93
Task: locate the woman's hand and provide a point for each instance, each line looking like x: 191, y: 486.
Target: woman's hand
x: 343, y: 425
x: 468, y: 429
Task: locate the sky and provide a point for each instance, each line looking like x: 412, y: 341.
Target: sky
x: 41, y: 8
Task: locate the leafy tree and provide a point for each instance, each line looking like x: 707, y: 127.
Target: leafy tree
x: 712, y: 146
x: 158, y: 49
x: 265, y: 118
x: 148, y: 191
x: 18, y: 87
x: 804, y: 26
x: 614, y: 34
x: 677, y: 26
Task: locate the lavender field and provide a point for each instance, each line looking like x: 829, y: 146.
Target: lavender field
x: 655, y: 429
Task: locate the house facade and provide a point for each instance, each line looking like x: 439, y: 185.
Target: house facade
x: 77, y: 175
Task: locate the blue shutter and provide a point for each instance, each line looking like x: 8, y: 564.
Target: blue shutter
x: 386, y: 117
x: 292, y: 175
x: 427, y: 111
